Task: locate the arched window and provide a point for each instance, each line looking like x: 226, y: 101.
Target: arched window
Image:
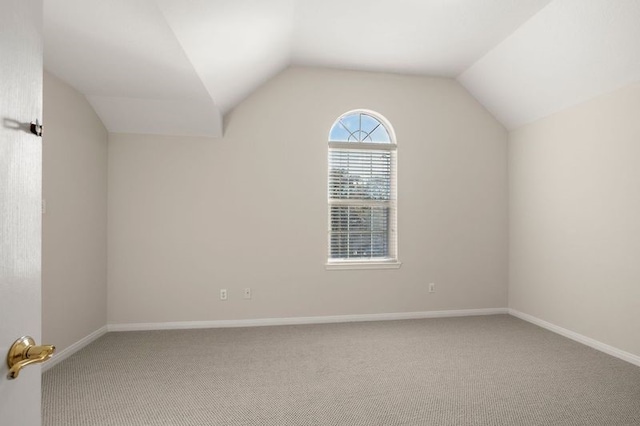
x: 362, y: 192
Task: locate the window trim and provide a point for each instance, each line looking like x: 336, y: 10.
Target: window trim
x: 376, y: 146
x: 391, y: 146
x: 338, y: 265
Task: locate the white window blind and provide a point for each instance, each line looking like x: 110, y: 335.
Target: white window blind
x: 362, y: 193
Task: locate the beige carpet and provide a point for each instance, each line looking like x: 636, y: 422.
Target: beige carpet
x: 495, y: 370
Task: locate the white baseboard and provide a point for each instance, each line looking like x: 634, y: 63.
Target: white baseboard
x: 303, y: 320
x: 70, y: 350
x: 595, y: 344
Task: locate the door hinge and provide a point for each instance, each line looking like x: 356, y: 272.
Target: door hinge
x: 36, y: 128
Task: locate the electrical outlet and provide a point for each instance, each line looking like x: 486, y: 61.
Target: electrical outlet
x: 223, y: 294
x: 247, y: 293
x: 432, y: 287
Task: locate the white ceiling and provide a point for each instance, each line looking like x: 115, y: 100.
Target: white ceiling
x: 571, y: 51
x: 430, y: 37
x: 176, y: 67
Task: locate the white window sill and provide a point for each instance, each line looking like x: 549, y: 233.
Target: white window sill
x: 380, y: 264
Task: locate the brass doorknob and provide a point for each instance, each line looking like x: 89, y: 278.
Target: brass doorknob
x: 24, y: 352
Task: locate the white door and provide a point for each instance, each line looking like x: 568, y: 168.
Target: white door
x: 20, y: 202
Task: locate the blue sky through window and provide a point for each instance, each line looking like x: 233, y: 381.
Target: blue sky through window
x: 359, y: 127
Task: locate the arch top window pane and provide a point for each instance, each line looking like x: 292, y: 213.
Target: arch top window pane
x: 359, y: 127
x: 339, y: 133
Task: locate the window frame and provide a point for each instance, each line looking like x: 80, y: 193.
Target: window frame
x: 392, y: 260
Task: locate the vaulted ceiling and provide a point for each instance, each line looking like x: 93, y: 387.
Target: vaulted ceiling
x: 177, y: 66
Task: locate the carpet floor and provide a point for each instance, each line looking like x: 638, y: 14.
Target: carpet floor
x: 490, y: 370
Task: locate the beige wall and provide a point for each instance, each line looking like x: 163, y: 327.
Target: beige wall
x: 188, y: 216
x: 575, y: 219
x: 74, y: 241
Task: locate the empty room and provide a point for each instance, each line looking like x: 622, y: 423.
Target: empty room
x: 306, y: 212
